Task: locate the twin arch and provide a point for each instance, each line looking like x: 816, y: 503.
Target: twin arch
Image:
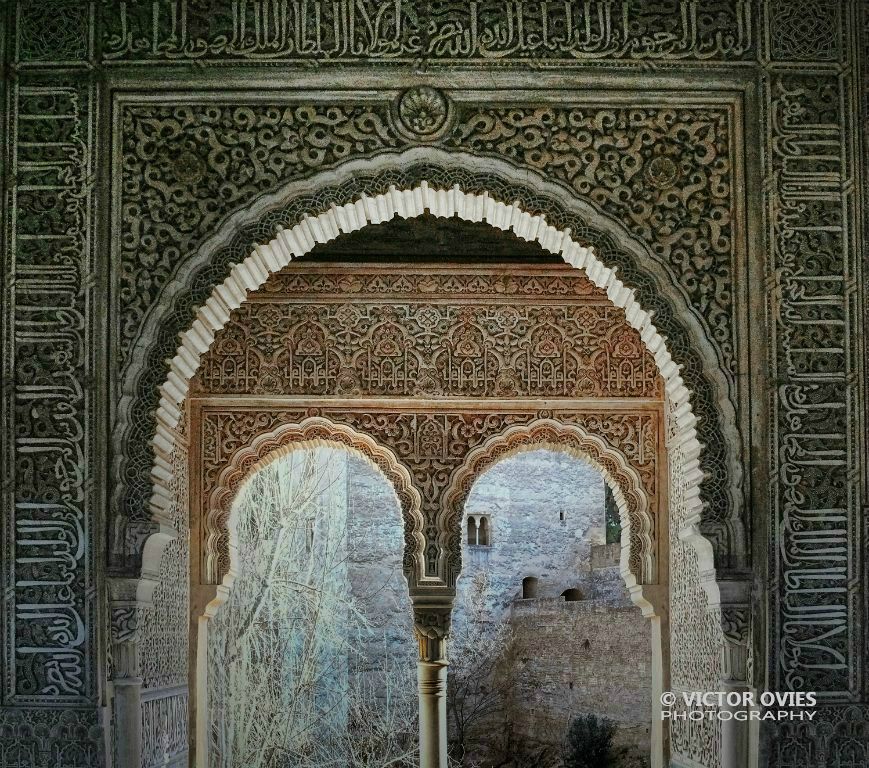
x: 638, y: 557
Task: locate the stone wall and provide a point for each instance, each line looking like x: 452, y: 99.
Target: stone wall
x: 526, y: 496
x: 578, y: 657
x: 375, y: 540
x: 546, y: 512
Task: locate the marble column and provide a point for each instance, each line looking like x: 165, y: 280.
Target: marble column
x: 431, y: 628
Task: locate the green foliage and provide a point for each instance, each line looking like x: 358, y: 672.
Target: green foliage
x: 613, y: 523
x: 590, y: 743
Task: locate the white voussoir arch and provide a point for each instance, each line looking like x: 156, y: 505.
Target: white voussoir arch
x: 325, y: 226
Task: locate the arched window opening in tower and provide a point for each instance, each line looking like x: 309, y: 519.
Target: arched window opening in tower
x: 479, y: 531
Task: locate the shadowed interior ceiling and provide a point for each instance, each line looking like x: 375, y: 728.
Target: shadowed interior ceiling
x: 428, y: 238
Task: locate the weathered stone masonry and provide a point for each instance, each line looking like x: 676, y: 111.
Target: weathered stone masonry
x: 569, y: 658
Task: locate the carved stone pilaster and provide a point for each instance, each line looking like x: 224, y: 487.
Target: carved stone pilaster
x: 125, y: 613
x: 125, y: 624
x: 736, y: 628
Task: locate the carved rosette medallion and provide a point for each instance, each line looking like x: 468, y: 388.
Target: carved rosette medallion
x: 422, y: 113
x: 189, y: 168
x: 661, y: 172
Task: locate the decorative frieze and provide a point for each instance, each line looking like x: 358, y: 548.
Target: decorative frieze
x: 48, y: 556
x: 504, y: 338
x: 815, y: 369
x: 442, y: 31
x: 666, y: 173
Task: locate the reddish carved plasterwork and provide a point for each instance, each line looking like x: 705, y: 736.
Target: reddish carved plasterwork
x: 432, y: 364
x: 433, y: 332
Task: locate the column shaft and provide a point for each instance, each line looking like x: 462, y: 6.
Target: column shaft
x: 432, y: 677
x: 734, y: 733
x: 126, y: 680
x: 128, y: 721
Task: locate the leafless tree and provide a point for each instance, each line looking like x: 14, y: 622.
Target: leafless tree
x: 480, y: 647
x: 286, y: 682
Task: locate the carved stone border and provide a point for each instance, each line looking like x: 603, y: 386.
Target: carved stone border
x: 536, y: 199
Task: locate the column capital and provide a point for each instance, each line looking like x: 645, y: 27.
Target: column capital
x: 125, y: 621
x: 431, y: 625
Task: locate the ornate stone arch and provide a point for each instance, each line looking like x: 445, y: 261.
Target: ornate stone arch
x: 638, y: 558
x: 450, y: 184
x: 409, y: 184
x: 271, y: 445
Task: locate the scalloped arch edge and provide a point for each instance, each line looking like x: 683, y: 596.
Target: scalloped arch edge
x: 312, y: 230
